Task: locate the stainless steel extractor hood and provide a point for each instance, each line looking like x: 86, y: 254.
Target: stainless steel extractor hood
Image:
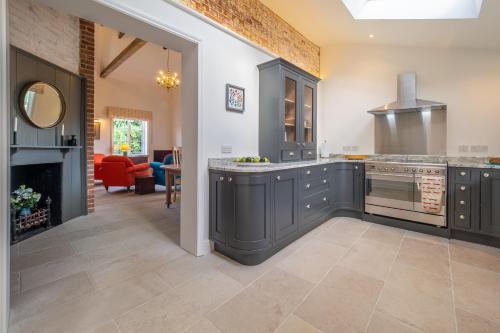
x: 407, y: 99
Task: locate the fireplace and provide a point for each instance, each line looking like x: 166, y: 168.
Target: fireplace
x: 45, y: 179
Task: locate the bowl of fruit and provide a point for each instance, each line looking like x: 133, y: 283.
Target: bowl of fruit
x: 252, y: 161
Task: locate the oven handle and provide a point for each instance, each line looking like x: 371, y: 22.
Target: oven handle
x: 389, y: 176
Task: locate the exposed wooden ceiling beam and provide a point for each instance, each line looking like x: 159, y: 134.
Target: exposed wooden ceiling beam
x: 120, y: 34
x: 127, y: 52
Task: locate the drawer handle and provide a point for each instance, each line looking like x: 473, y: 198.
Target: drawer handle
x: 308, y: 185
x: 229, y: 179
x: 309, y: 153
x: 324, y: 199
x: 462, y: 188
x: 356, y: 167
x: 462, y: 217
x: 291, y: 153
x: 324, y: 181
x: 486, y: 175
x: 462, y: 173
x: 462, y: 202
x: 325, y: 169
x: 278, y: 177
x: 308, y: 206
x: 308, y: 172
x: 221, y: 178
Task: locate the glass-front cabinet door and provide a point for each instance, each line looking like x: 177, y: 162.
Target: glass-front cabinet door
x: 291, y: 114
x: 308, y: 115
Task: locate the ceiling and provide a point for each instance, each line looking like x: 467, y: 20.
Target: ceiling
x: 327, y: 22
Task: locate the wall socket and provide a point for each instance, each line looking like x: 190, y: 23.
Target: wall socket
x: 350, y: 148
x: 463, y: 149
x: 226, y: 149
x: 479, y: 149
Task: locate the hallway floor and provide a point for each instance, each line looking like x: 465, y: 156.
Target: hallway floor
x: 121, y: 270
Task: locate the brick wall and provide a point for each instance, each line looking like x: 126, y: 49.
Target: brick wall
x: 44, y: 32
x: 87, y: 71
x: 256, y: 22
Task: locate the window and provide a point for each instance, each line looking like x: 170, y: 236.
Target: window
x: 133, y: 132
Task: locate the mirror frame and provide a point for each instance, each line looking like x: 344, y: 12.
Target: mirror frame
x: 25, y: 88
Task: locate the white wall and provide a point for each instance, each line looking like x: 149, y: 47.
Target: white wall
x: 357, y: 78
x: 45, y: 32
x: 132, y: 86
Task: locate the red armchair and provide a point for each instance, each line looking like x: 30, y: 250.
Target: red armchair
x: 121, y: 171
x: 97, y: 166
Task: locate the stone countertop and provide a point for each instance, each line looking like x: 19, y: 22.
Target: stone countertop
x: 227, y: 164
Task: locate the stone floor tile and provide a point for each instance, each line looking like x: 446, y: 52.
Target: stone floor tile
x: 386, y: 235
x: 383, y: 323
x: 431, y: 257
x: 344, y: 232
x: 33, y: 259
x: 480, y: 256
x: 294, y: 324
x: 471, y: 323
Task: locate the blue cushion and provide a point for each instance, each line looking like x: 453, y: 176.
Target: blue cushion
x: 169, y: 159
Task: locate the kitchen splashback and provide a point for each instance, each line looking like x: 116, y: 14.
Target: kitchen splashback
x: 412, y: 133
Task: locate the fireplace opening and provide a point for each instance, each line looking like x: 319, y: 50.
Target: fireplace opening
x: 45, y: 179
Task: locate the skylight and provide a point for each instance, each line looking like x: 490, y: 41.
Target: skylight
x: 413, y: 9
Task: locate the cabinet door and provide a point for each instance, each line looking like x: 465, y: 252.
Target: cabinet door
x: 359, y: 187
x: 490, y: 202
x: 248, y: 218
x: 308, y: 115
x: 285, y: 192
x: 219, y: 199
x: 290, y: 116
x: 347, y: 180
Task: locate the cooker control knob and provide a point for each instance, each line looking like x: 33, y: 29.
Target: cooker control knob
x: 413, y: 170
x: 429, y: 171
x: 421, y: 170
x: 436, y: 172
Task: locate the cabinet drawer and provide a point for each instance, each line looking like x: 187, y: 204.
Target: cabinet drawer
x: 462, y: 175
x: 462, y: 219
x: 316, y: 185
x: 309, y: 154
x: 290, y: 155
x: 316, y: 203
x: 462, y: 196
x: 315, y: 172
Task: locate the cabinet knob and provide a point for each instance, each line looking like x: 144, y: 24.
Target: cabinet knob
x: 462, y: 202
x: 462, y: 217
x: 308, y: 185
x: 278, y: 177
x: 325, y: 169
x: 229, y: 179
x: 486, y: 175
x: 308, y: 172
x: 462, y: 173
x: 221, y: 178
x: 308, y: 206
x: 291, y: 153
x: 356, y: 167
x: 303, y: 144
x: 462, y: 188
x: 324, y: 198
x: 324, y: 181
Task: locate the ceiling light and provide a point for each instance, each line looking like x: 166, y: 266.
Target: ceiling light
x: 413, y: 10
x: 167, y: 79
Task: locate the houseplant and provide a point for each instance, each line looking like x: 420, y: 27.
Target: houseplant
x: 124, y: 148
x: 24, y: 199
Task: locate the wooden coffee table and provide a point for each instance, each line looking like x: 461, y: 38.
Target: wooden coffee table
x: 171, y: 171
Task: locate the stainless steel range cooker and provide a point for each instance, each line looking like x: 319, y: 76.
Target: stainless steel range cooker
x: 393, y: 188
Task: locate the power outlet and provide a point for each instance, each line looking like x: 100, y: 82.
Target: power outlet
x: 463, y: 149
x: 479, y: 149
x: 354, y: 148
x: 226, y: 149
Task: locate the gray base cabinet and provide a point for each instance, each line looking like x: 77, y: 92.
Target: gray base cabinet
x: 348, y: 178
x: 474, y: 204
x: 254, y: 215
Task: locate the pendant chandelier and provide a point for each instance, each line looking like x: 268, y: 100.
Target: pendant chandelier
x: 167, y: 79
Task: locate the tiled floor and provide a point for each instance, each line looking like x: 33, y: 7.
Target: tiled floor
x: 120, y: 270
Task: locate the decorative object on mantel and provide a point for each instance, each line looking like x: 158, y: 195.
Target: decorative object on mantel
x: 124, y: 147
x: 42, y: 104
x: 235, y: 98
x: 73, y: 141
x: 97, y: 129
x: 14, y: 138
x: 167, y: 79
x: 25, y: 201
x: 62, y: 135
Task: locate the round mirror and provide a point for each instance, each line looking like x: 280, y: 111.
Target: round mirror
x: 42, y: 104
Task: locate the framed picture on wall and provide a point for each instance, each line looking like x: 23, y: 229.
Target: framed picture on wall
x: 97, y: 130
x: 235, y: 98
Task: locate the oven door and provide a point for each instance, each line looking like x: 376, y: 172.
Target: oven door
x: 389, y: 190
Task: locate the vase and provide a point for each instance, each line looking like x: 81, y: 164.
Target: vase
x: 25, y: 211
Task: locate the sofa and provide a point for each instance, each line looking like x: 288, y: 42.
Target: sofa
x: 97, y: 166
x: 121, y: 171
x: 158, y: 172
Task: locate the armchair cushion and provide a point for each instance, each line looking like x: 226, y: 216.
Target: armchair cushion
x: 121, y: 171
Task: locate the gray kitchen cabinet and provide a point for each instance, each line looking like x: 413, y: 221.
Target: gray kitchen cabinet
x: 489, y: 221
x: 220, y: 200
x: 348, y: 187
x: 287, y: 112
x: 285, y: 196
